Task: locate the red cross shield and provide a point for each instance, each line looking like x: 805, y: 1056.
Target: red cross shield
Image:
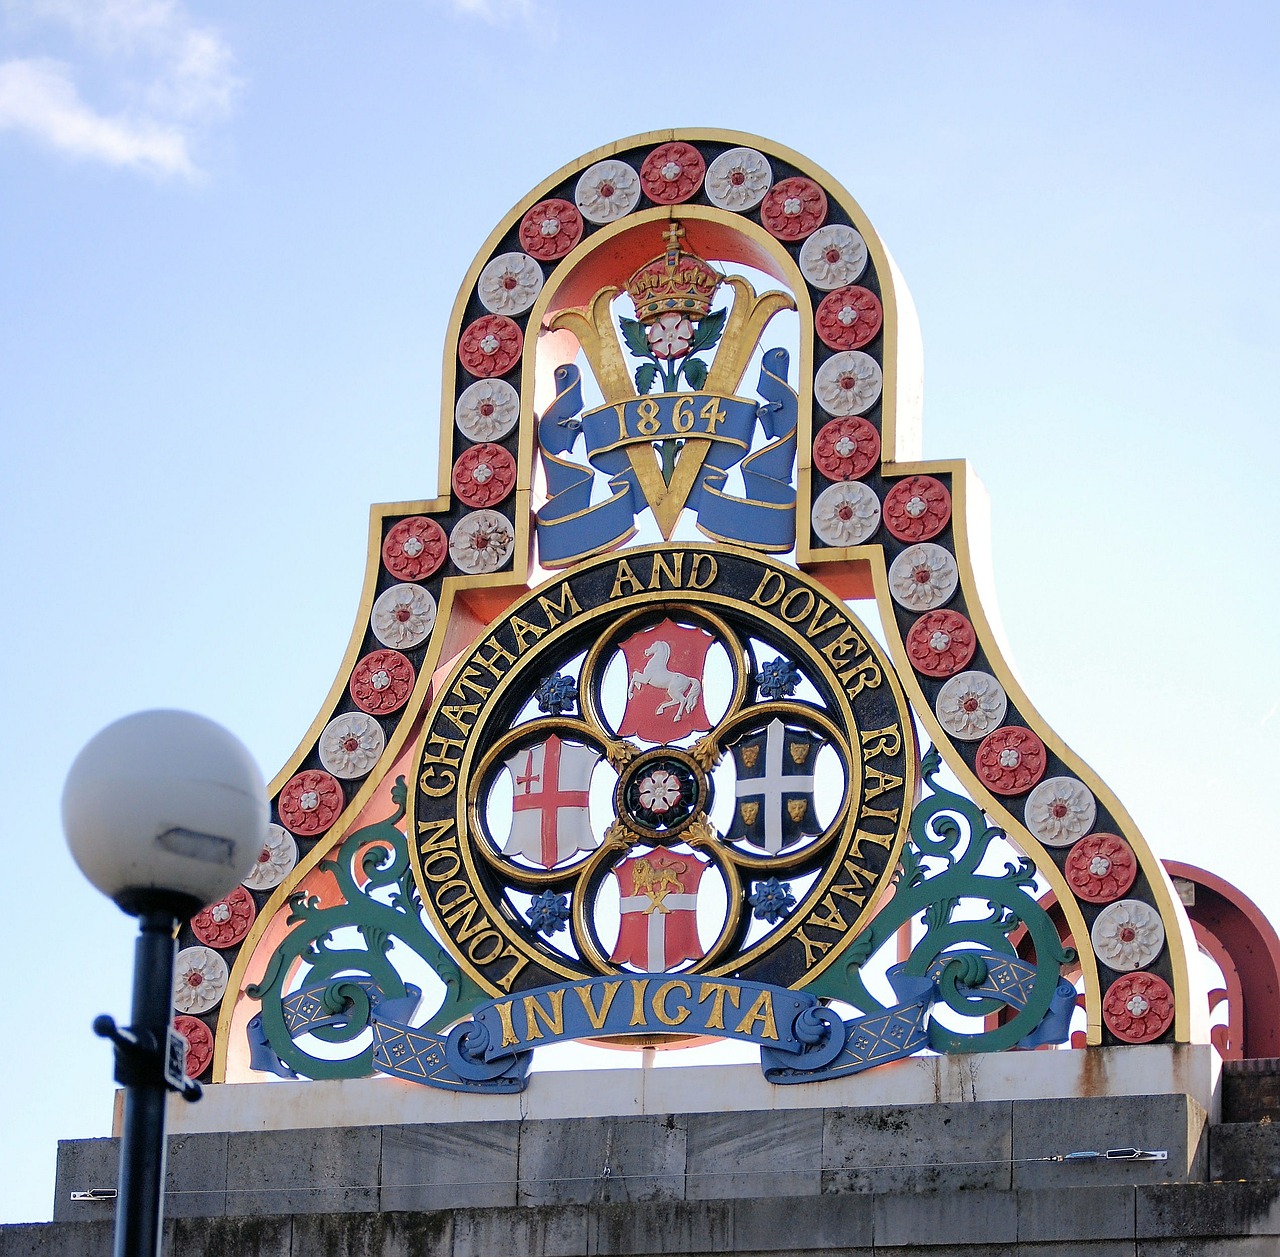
x: 665, y: 666
x: 550, y: 818
x: 659, y: 900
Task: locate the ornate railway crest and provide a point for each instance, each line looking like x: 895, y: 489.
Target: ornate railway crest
x: 674, y: 789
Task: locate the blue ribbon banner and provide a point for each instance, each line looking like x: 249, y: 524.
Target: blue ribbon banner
x: 799, y: 1039
x: 571, y: 526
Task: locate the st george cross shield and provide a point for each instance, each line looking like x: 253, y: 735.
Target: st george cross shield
x: 665, y: 667
x: 550, y: 820
x: 774, y: 805
x: 659, y: 911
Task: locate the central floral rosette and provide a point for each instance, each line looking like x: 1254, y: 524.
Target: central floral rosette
x: 661, y: 792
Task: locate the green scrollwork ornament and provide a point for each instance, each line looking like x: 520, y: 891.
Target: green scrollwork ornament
x: 949, y: 830
x: 336, y: 988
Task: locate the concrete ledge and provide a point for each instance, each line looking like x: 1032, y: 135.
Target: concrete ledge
x: 1069, y: 1215
x: 1210, y: 1209
x: 1157, y: 1069
x: 1246, y: 1150
x: 1175, y: 1220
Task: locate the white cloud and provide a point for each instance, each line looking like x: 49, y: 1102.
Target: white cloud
x: 40, y: 98
x: 173, y: 77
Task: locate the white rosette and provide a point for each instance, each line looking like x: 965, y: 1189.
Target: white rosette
x: 487, y: 410
x: 1060, y: 810
x: 350, y: 745
x: 970, y: 705
x: 923, y: 576
x: 403, y: 616
x: 738, y: 179
x: 199, y: 980
x: 1127, y: 935
x: 607, y: 191
x: 848, y: 383
x: 481, y: 542
x: 846, y: 514
x: 833, y: 257
x: 510, y: 284
x: 279, y: 855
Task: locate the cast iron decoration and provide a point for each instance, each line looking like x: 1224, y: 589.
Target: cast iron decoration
x: 550, y: 230
x: 846, y: 449
x: 941, y: 643
x: 669, y: 777
x: 381, y: 682
x: 310, y: 802
x: 414, y: 548
x: 704, y: 770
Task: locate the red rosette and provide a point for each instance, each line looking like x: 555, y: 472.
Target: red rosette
x: 917, y: 508
x: 310, y: 802
x: 1138, y: 1007
x: 1011, y: 760
x: 941, y: 643
x: 490, y: 346
x: 382, y: 682
x: 846, y: 449
x: 1101, y: 868
x: 848, y: 318
x: 793, y: 209
x: 550, y: 230
x: 484, y: 475
x: 225, y: 923
x: 414, y: 548
x: 199, y: 1043
x: 672, y: 173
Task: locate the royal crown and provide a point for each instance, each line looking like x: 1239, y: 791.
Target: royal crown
x: 675, y: 282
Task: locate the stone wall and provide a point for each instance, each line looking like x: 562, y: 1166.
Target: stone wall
x: 976, y: 1179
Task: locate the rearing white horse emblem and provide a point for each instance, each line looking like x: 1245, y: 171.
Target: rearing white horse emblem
x: 682, y: 691
x: 665, y: 690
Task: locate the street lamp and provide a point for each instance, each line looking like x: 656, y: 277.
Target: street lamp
x: 164, y: 812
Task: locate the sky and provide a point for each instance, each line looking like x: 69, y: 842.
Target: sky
x: 230, y: 239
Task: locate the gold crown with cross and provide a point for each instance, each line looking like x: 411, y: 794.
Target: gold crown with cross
x: 677, y: 275
x: 675, y: 282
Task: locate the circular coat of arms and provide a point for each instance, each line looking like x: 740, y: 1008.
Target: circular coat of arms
x: 673, y: 759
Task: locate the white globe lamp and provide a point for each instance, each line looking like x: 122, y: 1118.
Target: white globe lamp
x: 164, y: 812
x: 165, y: 806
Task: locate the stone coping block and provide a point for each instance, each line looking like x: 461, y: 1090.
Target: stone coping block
x: 195, y: 1177
x: 762, y: 1155
x: 321, y: 1171
x: 1152, y: 1069
x: 1073, y: 1214
x: 1174, y: 1124
x: 473, y: 1165
x: 921, y: 1148
x: 1245, y: 1150
x: 1209, y: 1210
x: 606, y: 1160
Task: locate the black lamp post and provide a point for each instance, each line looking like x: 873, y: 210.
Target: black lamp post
x: 164, y: 812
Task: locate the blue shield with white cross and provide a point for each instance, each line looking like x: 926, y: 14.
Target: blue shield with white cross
x: 773, y: 807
